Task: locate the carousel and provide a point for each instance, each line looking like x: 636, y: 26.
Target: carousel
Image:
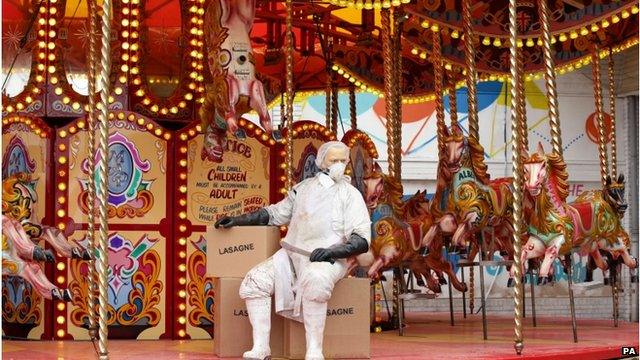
x: 130, y: 128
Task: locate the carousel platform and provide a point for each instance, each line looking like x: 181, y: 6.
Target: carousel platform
x: 427, y: 336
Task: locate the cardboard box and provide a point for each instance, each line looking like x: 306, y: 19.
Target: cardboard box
x: 232, y: 332
x: 233, y: 252
x: 346, y: 333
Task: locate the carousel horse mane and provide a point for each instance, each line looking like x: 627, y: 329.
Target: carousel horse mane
x: 475, y: 158
x: 392, y: 193
x: 557, y: 190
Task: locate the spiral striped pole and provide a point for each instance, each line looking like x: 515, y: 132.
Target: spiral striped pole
x: 472, y: 74
x: 91, y: 149
x: 289, y: 89
x: 518, y: 180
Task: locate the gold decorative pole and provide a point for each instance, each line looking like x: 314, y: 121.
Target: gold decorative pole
x: 518, y: 180
x: 522, y: 106
x: 289, y: 97
x: 101, y: 190
x: 472, y: 75
x: 612, y: 112
x: 436, y: 60
x: 397, y: 86
x: 91, y: 150
x: 327, y: 97
x: 334, y: 104
x: 387, y: 55
x: 353, y: 114
x: 453, y: 101
x: 550, y: 78
x: 597, y: 93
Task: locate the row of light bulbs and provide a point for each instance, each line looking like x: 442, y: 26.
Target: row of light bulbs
x: 498, y: 41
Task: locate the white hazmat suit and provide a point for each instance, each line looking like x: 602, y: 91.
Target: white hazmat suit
x: 320, y: 213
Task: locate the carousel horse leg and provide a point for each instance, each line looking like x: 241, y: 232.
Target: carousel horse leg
x: 25, y: 248
x: 613, y: 271
x: 572, y: 306
x: 451, y: 303
x: 533, y: 295
x: 234, y: 96
x: 551, y: 253
x: 34, y: 275
x: 534, y: 248
x: 482, y: 291
x: 259, y: 104
x: 55, y: 238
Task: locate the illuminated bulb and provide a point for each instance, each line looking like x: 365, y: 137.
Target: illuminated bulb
x: 605, y: 24
x: 634, y: 9
x: 625, y: 14
x: 455, y: 34
x: 415, y: 51
x: 497, y: 42
x: 435, y: 27
x: 539, y: 42
x: 573, y: 35
x: 486, y: 41
x: 584, y: 31
x: 595, y: 28
x: 615, y: 19
x: 562, y: 37
x: 530, y: 42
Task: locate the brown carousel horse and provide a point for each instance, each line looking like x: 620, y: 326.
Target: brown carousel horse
x: 399, y: 229
x: 469, y: 205
x: 590, y: 224
x: 20, y: 255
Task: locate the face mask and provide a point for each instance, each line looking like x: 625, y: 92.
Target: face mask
x: 336, y: 171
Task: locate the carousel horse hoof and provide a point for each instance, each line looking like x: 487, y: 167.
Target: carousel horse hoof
x: 424, y: 251
x: 589, y: 276
x: 383, y: 278
x: 39, y: 254
x: 634, y: 278
x: 255, y: 355
x: 606, y: 281
x: 420, y: 282
x: 277, y: 135
x: 511, y: 282
x: 442, y: 281
x: 82, y: 254
x: 241, y: 134
x: 61, y: 294
x: 543, y: 280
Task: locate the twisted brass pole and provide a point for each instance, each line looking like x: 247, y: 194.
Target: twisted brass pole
x: 522, y: 106
x: 436, y: 60
x: 472, y: 75
x: 550, y: 78
x: 101, y: 191
x: 612, y: 112
x: 518, y: 180
x: 334, y: 104
x: 597, y: 90
x: 289, y: 99
x: 91, y: 149
x: 388, y: 91
x: 397, y: 86
x: 352, y: 107
x: 453, y: 101
x: 327, y: 97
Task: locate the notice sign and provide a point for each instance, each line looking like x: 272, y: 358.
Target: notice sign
x: 237, y: 185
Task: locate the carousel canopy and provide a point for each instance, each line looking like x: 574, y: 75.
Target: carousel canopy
x: 346, y: 32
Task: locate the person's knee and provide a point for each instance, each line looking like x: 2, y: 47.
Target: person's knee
x: 259, y: 282
x: 319, y: 284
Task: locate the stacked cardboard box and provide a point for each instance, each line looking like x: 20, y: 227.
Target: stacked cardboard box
x: 231, y: 254
x: 346, y: 333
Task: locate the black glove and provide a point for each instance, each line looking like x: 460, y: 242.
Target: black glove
x: 259, y: 217
x: 356, y: 245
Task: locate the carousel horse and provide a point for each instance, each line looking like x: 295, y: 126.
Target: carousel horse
x: 469, y: 205
x: 235, y: 89
x: 590, y: 224
x: 19, y: 253
x: 399, y: 230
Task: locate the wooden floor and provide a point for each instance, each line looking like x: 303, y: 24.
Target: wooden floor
x: 428, y: 336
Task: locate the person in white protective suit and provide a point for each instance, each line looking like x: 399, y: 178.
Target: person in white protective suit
x: 328, y: 223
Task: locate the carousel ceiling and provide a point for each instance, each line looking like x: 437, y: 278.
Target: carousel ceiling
x: 157, y: 65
